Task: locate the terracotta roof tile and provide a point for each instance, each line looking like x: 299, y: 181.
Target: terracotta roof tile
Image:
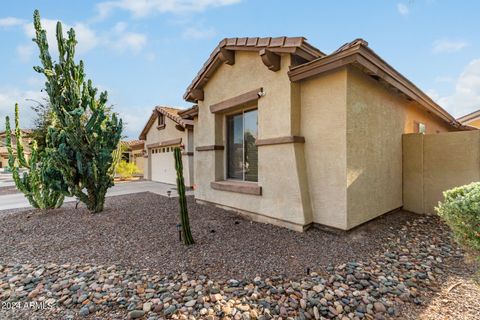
x: 294, y: 45
x: 169, y: 112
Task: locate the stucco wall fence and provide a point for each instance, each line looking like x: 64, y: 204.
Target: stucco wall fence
x: 433, y: 163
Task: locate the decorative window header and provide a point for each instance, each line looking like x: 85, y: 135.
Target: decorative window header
x: 238, y: 101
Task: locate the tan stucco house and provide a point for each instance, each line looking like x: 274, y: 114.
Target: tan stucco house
x: 134, y: 153
x: 289, y: 135
x: 471, y: 119
x: 164, y: 131
x: 3, y: 146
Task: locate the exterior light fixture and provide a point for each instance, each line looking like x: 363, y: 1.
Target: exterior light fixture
x: 179, y: 229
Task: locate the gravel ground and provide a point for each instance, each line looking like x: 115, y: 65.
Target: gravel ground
x: 458, y: 296
x: 140, y: 231
x: 81, y: 265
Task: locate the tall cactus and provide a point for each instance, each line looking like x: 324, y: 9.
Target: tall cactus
x: 182, y: 199
x: 37, y: 184
x: 84, y: 133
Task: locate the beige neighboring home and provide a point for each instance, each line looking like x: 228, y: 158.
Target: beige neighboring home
x: 134, y: 153
x: 164, y: 131
x: 471, y: 119
x: 3, y: 146
x: 289, y: 135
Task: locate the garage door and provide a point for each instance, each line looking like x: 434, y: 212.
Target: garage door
x: 163, y: 165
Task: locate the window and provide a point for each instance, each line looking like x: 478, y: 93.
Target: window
x: 420, y: 127
x: 242, y: 153
x: 161, y: 119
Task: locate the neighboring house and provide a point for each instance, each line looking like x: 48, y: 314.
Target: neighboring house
x: 164, y: 131
x: 289, y: 135
x: 3, y: 146
x: 471, y: 119
x: 134, y: 153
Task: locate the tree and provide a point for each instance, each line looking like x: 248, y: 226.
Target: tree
x: 41, y: 184
x: 41, y: 123
x: 84, y: 134
x: 182, y: 199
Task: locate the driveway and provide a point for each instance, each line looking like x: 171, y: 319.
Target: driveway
x: 6, y: 180
x: 17, y: 200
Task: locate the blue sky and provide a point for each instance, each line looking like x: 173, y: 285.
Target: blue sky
x: 146, y: 52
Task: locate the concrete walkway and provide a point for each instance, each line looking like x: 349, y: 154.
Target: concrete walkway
x: 17, y: 200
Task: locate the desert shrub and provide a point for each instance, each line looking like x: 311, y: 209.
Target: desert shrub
x: 127, y: 169
x: 460, y: 209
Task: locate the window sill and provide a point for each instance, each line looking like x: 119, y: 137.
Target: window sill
x: 237, y: 186
x: 160, y: 127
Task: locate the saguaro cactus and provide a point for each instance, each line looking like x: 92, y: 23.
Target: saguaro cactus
x: 182, y: 199
x: 38, y: 184
x: 84, y: 133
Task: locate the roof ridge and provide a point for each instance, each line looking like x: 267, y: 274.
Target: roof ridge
x: 468, y: 115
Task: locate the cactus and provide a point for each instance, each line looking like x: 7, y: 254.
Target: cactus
x: 84, y: 132
x: 38, y: 184
x: 182, y: 199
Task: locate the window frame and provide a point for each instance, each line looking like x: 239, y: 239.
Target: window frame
x: 226, y: 159
x: 418, y: 125
x: 161, y: 119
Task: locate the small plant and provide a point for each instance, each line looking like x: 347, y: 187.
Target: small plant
x: 182, y: 199
x: 460, y: 209
x: 41, y: 182
x: 126, y: 169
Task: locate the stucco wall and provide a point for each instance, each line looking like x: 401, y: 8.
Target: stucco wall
x: 136, y: 156
x: 375, y: 124
x: 4, y: 161
x: 323, y: 124
x: 474, y: 123
x: 281, y: 199
x: 376, y: 119
x: 413, y: 172
x: 449, y: 160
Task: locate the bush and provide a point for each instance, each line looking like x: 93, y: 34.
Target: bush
x: 127, y: 169
x: 461, y: 211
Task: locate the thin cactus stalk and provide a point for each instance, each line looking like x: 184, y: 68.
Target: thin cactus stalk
x: 37, y: 183
x: 182, y: 199
x: 85, y: 133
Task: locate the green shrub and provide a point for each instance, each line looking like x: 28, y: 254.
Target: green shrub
x: 127, y: 169
x: 461, y: 211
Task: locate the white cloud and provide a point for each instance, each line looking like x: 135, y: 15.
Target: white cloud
x: 141, y: 8
x: 25, y: 99
x: 121, y: 39
x: 448, y: 46
x: 403, y: 9
x: 466, y: 97
x: 196, y: 33
x: 86, y: 37
x: 118, y: 38
x: 10, y: 22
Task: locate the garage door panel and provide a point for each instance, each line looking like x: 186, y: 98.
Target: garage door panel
x: 163, y: 168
